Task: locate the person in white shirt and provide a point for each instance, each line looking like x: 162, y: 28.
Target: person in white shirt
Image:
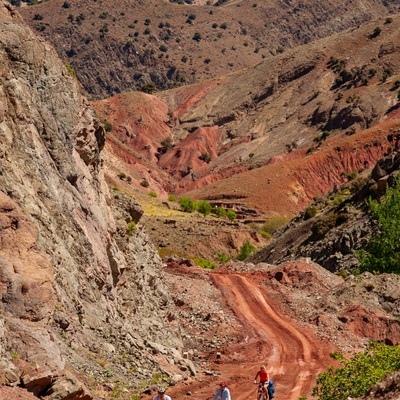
x: 161, y: 395
x: 223, y: 392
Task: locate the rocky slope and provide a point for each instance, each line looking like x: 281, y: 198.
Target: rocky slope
x: 116, y: 47
x: 79, y: 294
x: 334, y: 226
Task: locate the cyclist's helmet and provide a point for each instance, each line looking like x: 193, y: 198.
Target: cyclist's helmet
x: 271, y: 383
x: 161, y: 390
x: 223, y: 384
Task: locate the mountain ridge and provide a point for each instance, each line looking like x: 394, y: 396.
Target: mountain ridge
x: 152, y: 45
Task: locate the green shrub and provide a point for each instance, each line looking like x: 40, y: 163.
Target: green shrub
x: 353, y: 378
x: 223, y: 258
x: 197, y: 37
x: 171, y: 198
x: 203, y: 207
x: 338, y: 200
x: 219, y: 211
x: 246, y: 249
x: 131, y: 228
x: 321, y: 227
x: 149, y: 87
x: 107, y: 126
x: 122, y: 176
x: 377, y: 31
x: 231, y: 215
x: 203, y: 263
x: 144, y: 183
x: 152, y: 194
x: 71, y: 72
x: 351, y: 175
x: 310, y: 212
x: 205, y: 156
x: 265, y: 235
x: 187, y: 204
x: 383, y: 250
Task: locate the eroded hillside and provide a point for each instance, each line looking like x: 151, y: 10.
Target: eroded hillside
x: 265, y: 137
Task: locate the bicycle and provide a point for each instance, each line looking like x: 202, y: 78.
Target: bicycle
x: 262, y: 393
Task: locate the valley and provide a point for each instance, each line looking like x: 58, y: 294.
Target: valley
x: 286, y: 112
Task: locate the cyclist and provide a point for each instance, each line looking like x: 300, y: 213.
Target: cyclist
x: 161, y: 395
x: 264, y: 378
x: 222, y: 392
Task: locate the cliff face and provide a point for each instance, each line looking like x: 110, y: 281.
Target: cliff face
x: 75, y: 287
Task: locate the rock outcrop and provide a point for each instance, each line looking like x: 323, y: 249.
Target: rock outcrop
x: 80, y: 292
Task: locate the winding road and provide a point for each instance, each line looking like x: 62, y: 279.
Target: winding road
x: 293, y: 355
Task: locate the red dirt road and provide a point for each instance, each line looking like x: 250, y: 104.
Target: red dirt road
x: 293, y: 355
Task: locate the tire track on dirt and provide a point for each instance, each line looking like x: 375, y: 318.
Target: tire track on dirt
x: 289, y: 354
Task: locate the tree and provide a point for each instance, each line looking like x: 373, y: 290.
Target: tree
x: 197, y: 36
x: 203, y: 207
x: 187, y: 204
x: 231, y: 215
x: 246, y: 249
x: 356, y: 376
x: 383, y: 249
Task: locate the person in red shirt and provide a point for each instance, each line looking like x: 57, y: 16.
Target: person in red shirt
x: 264, y: 378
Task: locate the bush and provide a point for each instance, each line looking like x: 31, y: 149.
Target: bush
x: 223, y: 258
x: 321, y: 227
x: 166, y: 144
x: 310, y: 212
x: 383, y: 249
x: 187, y: 204
x: 231, y: 215
x: 107, y: 126
x: 205, y: 157
x: 197, y: 37
x: 203, y: 207
x: 377, y: 31
x: 246, y: 249
x: 171, y: 198
x: 144, y: 183
x: 219, y: 211
x: 149, y: 87
x: 203, y: 263
x: 152, y: 194
x: 131, y: 228
x: 356, y: 376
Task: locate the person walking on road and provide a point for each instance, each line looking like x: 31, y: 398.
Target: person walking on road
x: 161, y: 395
x: 222, y: 392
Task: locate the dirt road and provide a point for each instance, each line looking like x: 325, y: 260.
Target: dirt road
x: 293, y: 358
x: 293, y: 355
